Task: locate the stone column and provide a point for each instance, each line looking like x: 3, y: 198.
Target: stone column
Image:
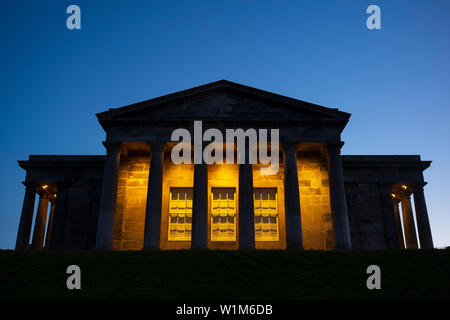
x: 200, y: 207
x: 398, y: 223
x: 423, y: 223
x: 389, y: 222
x: 40, y: 222
x: 292, y: 198
x: 50, y: 224
x: 408, y: 222
x: 105, y: 225
x: 338, y: 198
x: 60, y: 217
x: 154, y: 198
x: 246, y: 210
x: 26, y: 218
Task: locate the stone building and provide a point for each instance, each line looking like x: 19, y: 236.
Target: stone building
x: 136, y: 198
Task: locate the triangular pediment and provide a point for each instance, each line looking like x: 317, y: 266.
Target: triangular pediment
x: 223, y: 100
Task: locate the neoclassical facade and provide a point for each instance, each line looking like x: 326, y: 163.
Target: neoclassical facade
x: 135, y: 197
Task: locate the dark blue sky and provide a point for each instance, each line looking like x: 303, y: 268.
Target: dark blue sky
x: 395, y: 81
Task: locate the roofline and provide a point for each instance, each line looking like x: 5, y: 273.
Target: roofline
x: 61, y: 160
x: 385, y: 161
x: 216, y: 84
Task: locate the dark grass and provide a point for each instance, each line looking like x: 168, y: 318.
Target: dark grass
x: 186, y: 275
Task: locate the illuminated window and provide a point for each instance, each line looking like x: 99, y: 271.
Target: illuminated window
x: 223, y: 214
x: 180, y: 214
x: 266, y: 214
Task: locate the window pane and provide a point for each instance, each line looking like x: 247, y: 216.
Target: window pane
x: 180, y: 214
x: 266, y: 214
x: 223, y: 211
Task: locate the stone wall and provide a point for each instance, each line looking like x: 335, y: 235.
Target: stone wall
x: 368, y: 183
x: 82, y: 214
x: 365, y: 216
x: 174, y: 176
x: 317, y: 226
x: 368, y: 180
x: 223, y: 176
x: 273, y: 181
x: 131, y: 201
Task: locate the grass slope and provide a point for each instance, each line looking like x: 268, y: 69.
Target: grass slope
x: 186, y: 275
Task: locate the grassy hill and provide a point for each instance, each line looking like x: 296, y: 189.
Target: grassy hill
x: 185, y: 275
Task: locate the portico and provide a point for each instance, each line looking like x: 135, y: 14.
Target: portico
x: 135, y: 197
x: 402, y: 195
x: 200, y: 184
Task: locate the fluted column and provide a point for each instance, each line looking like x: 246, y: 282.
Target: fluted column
x: 40, y: 222
x: 398, y: 222
x: 26, y: 217
x: 154, y: 198
x: 200, y: 207
x: 292, y: 198
x: 423, y: 223
x: 50, y: 224
x: 105, y: 225
x: 246, y: 210
x: 338, y: 198
x: 408, y: 222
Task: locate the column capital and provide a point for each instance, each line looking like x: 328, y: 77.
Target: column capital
x: 404, y: 195
x: 290, y: 146
x: 45, y: 195
x: 29, y: 184
x: 156, y: 147
x: 52, y: 198
x: 395, y: 196
x: 418, y: 186
x: 112, y: 146
x: 334, y: 147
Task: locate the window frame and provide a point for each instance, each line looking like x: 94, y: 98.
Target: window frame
x: 269, y: 213
x: 233, y: 237
x: 185, y: 213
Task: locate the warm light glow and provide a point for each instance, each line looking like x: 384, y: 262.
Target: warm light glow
x: 266, y: 214
x: 180, y: 214
x: 404, y: 187
x: 393, y: 195
x: 131, y: 203
x: 317, y: 227
x: 45, y: 187
x: 223, y: 214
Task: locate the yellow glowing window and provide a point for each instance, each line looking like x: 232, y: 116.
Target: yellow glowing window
x: 223, y: 214
x: 180, y: 214
x: 266, y: 214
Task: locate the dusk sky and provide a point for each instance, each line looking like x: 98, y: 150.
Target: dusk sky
x: 395, y: 81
